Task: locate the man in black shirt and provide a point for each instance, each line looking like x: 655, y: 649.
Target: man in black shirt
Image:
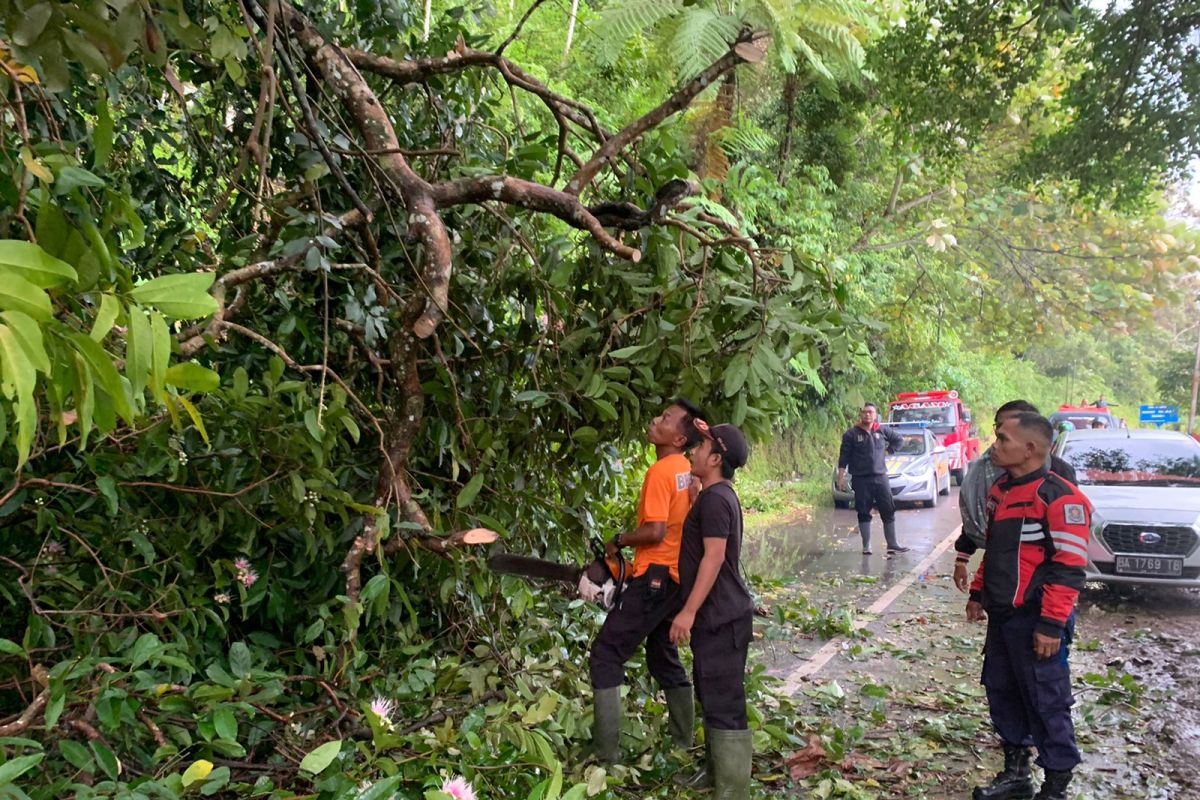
x: 863, y: 449
x: 718, y: 614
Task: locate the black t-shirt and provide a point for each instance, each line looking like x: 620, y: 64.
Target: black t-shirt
x: 715, y: 514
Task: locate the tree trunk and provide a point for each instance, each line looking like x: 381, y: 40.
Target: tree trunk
x: 791, y: 88
x: 571, y: 27
x: 428, y: 14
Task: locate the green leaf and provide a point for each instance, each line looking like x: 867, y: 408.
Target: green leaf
x: 9, y: 647
x: 556, y: 782
x: 736, y: 373
x: 17, y: 373
x: 71, y: 177
x: 146, y: 646
x: 15, y: 768
x: 182, y: 296
x: 105, y: 373
x: 351, y: 427
x: 192, y: 377
x: 105, y: 317
x: 29, y: 335
x: 531, y: 396
x: 194, y: 413
x: 31, y: 22
x: 586, y: 435
x: 160, y: 352
x: 542, y: 711
x: 240, y: 659
x: 382, y: 790
x: 313, y: 425
x: 76, y: 755
x: 320, y: 758
x: 102, y: 133
x: 27, y: 260
x: 108, y: 489
x: 468, y: 493
x: 225, y: 723
x: 18, y: 294
x: 138, y: 349
x: 110, y: 765
x: 626, y: 352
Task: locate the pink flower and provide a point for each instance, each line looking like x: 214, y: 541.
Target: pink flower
x: 383, y: 708
x: 241, y: 565
x: 222, y: 598
x: 248, y: 578
x: 458, y: 788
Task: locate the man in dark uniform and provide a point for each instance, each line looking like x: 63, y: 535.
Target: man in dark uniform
x: 863, y: 449
x: 1026, y: 588
x: 717, y: 615
x: 973, y: 494
x: 651, y: 596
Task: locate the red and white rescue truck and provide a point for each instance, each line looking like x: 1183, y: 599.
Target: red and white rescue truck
x: 947, y: 419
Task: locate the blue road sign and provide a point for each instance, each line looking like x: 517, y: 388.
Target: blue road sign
x: 1158, y: 415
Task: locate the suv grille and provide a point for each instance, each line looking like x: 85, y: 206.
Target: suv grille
x: 1177, y: 540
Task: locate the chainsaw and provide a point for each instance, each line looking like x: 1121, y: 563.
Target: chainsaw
x: 599, y: 581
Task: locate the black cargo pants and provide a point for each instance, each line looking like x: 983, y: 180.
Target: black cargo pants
x: 873, y: 491
x: 648, y: 604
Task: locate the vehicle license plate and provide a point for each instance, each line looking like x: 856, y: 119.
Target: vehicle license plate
x: 1150, y: 565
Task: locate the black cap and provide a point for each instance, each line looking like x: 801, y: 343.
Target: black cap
x: 728, y: 442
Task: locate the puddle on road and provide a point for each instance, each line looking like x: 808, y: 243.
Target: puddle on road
x: 779, y: 552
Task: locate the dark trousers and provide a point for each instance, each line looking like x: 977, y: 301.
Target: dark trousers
x: 873, y: 491
x: 1029, y: 698
x: 648, y: 604
x: 719, y: 672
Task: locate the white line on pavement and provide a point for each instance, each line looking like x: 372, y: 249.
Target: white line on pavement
x: 795, y: 678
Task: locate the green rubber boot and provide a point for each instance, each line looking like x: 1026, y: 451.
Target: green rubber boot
x: 731, y: 763
x: 702, y: 778
x: 681, y: 716
x: 606, y: 724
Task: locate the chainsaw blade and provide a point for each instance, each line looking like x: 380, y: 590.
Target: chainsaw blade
x: 530, y: 567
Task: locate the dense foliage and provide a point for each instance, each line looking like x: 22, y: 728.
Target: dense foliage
x: 295, y: 307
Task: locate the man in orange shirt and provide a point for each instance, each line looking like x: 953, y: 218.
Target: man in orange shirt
x: 651, y: 597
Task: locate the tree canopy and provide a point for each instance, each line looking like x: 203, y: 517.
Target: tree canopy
x: 300, y: 305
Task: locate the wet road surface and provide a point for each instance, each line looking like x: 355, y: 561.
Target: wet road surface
x: 907, y: 675
x: 812, y: 568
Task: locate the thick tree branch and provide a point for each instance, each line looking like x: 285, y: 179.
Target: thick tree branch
x: 424, y: 223
x: 533, y: 196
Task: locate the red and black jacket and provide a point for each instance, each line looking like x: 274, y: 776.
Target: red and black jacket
x: 1037, y: 540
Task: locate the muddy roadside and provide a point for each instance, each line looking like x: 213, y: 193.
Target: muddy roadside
x: 899, y: 712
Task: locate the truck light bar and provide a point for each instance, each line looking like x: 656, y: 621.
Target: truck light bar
x: 936, y: 394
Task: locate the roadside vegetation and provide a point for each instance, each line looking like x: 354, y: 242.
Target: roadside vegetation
x: 302, y: 306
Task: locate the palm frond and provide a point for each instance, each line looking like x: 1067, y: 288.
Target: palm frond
x: 701, y: 37
x: 623, y: 20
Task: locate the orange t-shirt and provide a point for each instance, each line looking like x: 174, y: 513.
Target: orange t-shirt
x: 665, y: 498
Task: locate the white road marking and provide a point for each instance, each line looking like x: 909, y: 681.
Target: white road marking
x: 795, y: 679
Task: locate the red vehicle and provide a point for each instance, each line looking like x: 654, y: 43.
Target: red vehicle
x: 949, y: 421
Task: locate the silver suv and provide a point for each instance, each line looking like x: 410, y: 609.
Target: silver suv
x: 1145, y: 487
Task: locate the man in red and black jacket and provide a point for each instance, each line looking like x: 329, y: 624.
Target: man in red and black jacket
x: 1026, y: 587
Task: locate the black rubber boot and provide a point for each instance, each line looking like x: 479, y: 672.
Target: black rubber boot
x: 1055, y: 785
x: 606, y: 724
x: 703, y: 777
x: 864, y: 530
x: 1015, y: 782
x: 889, y: 533
x: 732, y: 754
x: 681, y: 716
